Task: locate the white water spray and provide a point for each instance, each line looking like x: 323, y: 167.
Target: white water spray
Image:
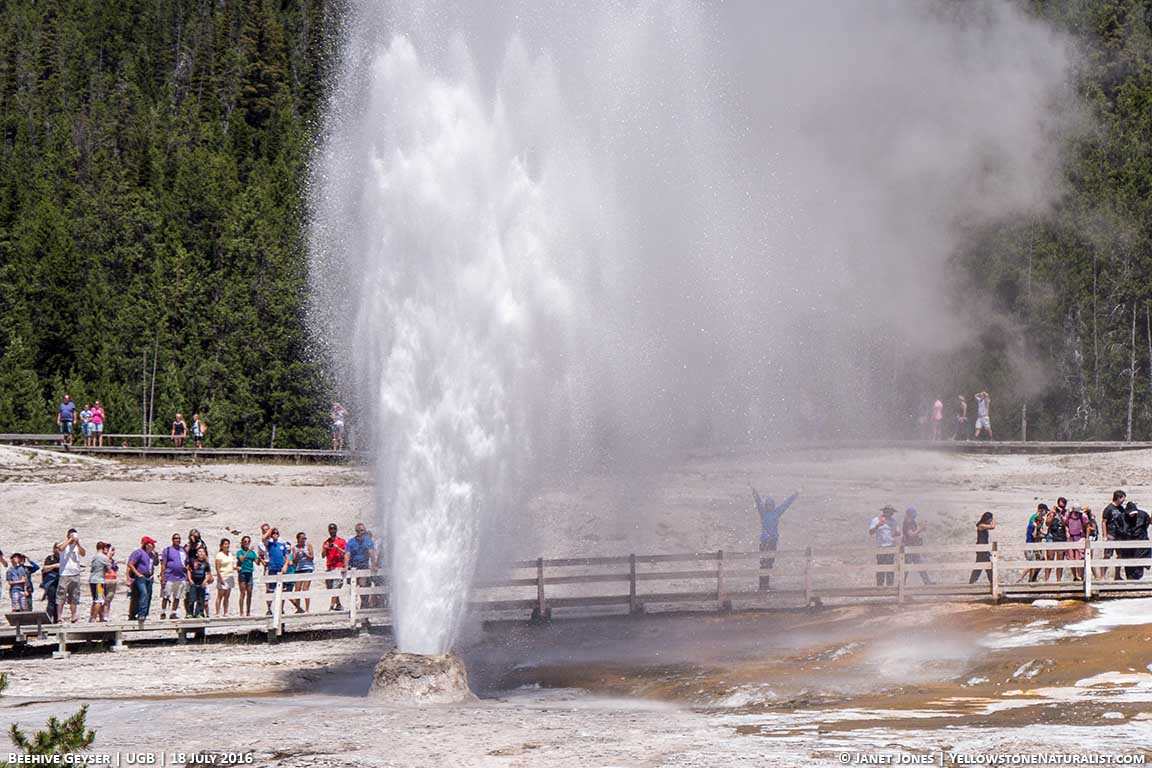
x: 546, y: 231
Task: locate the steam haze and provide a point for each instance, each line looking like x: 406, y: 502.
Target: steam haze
x: 546, y: 234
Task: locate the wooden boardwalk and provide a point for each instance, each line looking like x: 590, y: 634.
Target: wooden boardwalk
x: 160, y: 448
x: 709, y: 582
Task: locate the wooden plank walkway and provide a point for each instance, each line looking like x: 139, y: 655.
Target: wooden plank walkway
x: 159, y: 447
x: 162, y: 450
x: 717, y: 581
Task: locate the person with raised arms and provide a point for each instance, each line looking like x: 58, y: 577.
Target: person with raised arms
x: 770, y: 513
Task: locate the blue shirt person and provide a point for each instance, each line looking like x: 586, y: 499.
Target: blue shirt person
x: 360, y: 549
x: 770, y: 514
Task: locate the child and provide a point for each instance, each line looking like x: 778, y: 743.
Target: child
x: 86, y: 424
x: 199, y: 576
x: 19, y: 583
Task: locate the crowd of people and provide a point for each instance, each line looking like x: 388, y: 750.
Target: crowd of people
x: 89, y: 421
x: 187, y: 572
x: 1121, y: 520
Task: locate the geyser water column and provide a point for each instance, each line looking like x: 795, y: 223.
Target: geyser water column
x: 452, y: 241
x: 544, y: 232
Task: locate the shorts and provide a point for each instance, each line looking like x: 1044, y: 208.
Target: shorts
x: 227, y: 582
x: 65, y: 427
x: 983, y: 422
x: 338, y: 428
x: 1033, y: 554
x: 97, y: 590
x: 97, y: 428
x: 334, y: 583
x: 175, y: 590
x: 271, y: 586
x: 19, y: 599
x: 109, y: 589
x: 70, y: 590
x: 245, y: 578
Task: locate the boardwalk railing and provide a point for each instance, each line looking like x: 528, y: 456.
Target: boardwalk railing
x: 812, y: 575
x: 715, y: 580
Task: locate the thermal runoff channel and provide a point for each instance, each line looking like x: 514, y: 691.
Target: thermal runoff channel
x: 548, y: 235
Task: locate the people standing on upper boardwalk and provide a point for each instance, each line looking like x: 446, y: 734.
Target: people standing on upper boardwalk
x: 339, y: 417
x: 770, y: 513
x: 98, y: 415
x: 179, y: 430
x: 983, y: 415
x: 199, y: 430
x: 65, y: 416
x: 961, y: 431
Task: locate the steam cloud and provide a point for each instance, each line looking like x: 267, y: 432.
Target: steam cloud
x: 549, y: 233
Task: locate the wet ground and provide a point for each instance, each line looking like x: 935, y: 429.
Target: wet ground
x: 767, y: 688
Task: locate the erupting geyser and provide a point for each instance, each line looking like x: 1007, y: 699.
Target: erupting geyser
x: 544, y: 233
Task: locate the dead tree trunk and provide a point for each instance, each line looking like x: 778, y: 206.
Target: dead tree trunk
x: 1095, y: 336
x: 1132, y: 374
x: 1148, y: 322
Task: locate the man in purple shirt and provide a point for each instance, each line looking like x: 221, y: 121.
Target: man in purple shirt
x: 140, y: 567
x: 173, y: 577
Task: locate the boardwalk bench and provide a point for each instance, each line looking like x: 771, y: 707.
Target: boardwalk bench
x: 25, y: 620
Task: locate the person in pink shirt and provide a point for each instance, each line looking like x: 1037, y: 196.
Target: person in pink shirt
x: 937, y: 418
x: 98, y: 423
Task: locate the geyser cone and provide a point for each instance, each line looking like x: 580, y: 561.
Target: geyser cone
x: 408, y: 678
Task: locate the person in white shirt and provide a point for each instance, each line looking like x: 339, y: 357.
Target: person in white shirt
x: 71, y: 550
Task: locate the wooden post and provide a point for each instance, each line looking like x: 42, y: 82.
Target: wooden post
x: 62, y: 636
x: 272, y: 442
x: 1087, y: 569
x: 900, y: 575
x: 541, y: 612
x: 277, y: 608
x: 995, y: 559
x: 721, y: 598
x: 633, y: 603
x: 807, y: 576
x: 353, y: 600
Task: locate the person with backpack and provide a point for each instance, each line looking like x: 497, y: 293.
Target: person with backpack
x: 1077, y: 525
x: 1113, y: 529
x: 1056, y: 532
x: 199, y: 430
x: 1136, y: 524
x: 1033, y: 535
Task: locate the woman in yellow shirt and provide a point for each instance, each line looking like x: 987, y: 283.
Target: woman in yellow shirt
x: 225, y: 575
